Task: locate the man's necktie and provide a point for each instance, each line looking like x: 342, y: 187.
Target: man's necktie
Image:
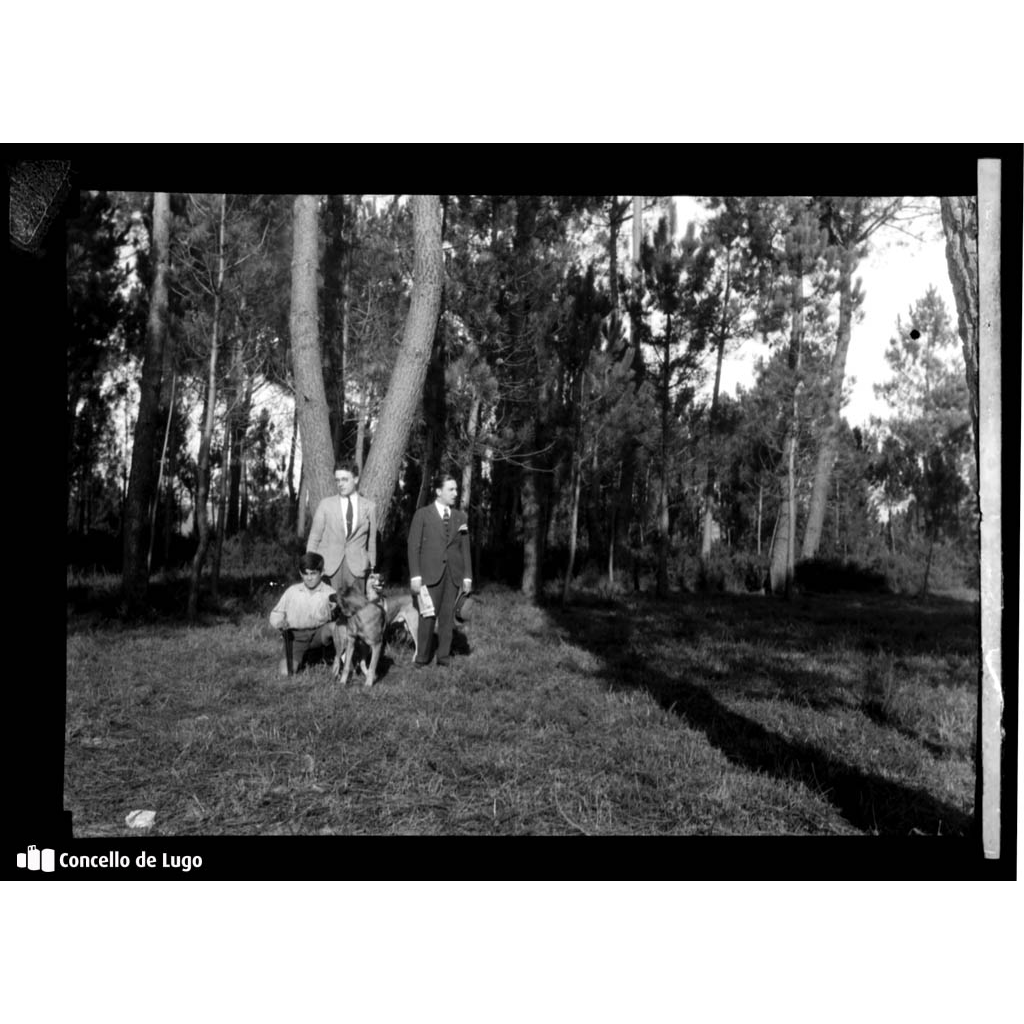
x: 447, y: 525
x: 348, y: 517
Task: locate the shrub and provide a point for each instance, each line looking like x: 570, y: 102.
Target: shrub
x: 728, y: 571
x: 829, y: 575
x: 244, y: 555
x: 952, y: 568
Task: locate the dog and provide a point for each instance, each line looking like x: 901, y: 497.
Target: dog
x: 368, y: 618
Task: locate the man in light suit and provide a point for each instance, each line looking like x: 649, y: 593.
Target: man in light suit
x: 344, y: 532
x: 439, y: 561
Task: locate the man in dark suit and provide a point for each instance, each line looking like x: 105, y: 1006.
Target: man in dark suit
x: 439, y: 563
x: 344, y: 532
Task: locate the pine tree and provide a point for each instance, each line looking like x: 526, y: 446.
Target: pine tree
x: 804, y: 249
x: 926, y: 438
x: 405, y: 388
x: 135, y: 572
x: 850, y: 222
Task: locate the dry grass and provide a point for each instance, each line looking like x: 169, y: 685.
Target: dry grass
x: 726, y: 715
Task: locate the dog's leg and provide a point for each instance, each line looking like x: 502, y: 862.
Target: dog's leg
x: 371, y: 672
x: 338, y: 636
x: 350, y: 651
x: 411, y: 620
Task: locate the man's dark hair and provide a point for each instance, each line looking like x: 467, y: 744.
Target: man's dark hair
x: 438, y: 480
x: 311, y: 561
x: 347, y: 467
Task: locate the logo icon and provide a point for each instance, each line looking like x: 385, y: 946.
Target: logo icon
x: 36, y: 860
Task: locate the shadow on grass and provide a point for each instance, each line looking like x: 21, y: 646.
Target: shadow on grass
x: 620, y: 634
x: 878, y: 713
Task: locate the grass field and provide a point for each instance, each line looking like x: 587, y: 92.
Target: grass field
x: 719, y: 715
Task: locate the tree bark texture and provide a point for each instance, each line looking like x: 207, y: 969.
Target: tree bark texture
x: 135, y: 573
x: 240, y: 399
x: 335, y: 299
x: 710, y: 501
x: 960, y: 225
x: 661, y: 577
x: 783, y: 557
x: 405, y: 389
x: 631, y: 448
x: 310, y: 396
x: 532, y: 440
x: 160, y: 471
x: 202, y: 519
x: 472, y: 429
x: 573, y: 523
x: 435, y: 408
x: 828, y: 442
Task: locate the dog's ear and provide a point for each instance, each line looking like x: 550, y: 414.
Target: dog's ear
x: 351, y: 600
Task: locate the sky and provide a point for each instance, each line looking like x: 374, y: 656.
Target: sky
x: 897, y: 272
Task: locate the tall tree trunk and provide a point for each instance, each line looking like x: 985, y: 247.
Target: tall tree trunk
x: 783, y: 561
x: 828, y: 441
x: 172, y: 517
x: 435, y: 407
x: 335, y: 300
x: 345, y: 438
x: 928, y: 565
x: 302, y: 512
x: 206, y: 435
x: 405, y: 388
x: 631, y: 448
x: 135, y: 574
x: 160, y: 476
x: 783, y: 558
x: 530, y: 584
x: 710, y: 502
x: 574, y: 512
x: 219, y: 530
x: 839, y: 518
x: 310, y: 396
x: 661, y: 585
x: 760, y: 514
x: 240, y: 399
x: 243, y: 503
x: 472, y: 428
x: 363, y: 412
x: 612, y: 533
x: 851, y: 222
x: 531, y: 496
x: 598, y: 523
x: 960, y: 225
x: 293, y: 495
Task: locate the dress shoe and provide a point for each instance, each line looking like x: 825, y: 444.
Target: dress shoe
x: 444, y: 662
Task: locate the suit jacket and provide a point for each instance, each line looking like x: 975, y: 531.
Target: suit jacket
x: 429, y: 556
x: 327, y: 536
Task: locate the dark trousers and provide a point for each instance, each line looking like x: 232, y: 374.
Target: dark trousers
x: 443, y: 594
x: 343, y: 578
x: 299, y: 642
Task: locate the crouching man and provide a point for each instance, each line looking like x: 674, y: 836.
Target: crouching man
x: 303, y: 615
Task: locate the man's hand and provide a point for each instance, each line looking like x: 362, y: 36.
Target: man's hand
x: 283, y: 624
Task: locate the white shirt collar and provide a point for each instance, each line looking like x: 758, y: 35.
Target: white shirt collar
x: 440, y: 508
